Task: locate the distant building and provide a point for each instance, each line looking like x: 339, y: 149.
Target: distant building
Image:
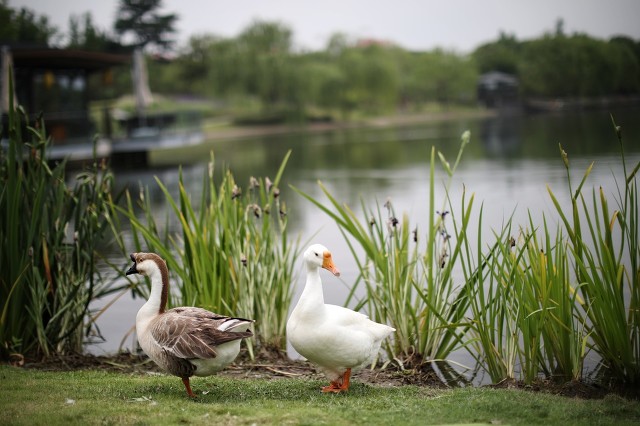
x: 54, y: 82
x: 498, y: 90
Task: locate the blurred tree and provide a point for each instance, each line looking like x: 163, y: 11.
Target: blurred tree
x: 148, y: 27
x: 321, y: 81
x: 226, y: 70
x: 575, y: 66
x: 366, y: 78
x: 265, y: 52
x: 629, y: 43
x: 561, y: 65
x: 560, y: 27
x: 25, y: 26
x: 194, y: 67
x: 258, y: 68
x: 501, y: 55
x: 627, y: 52
x: 337, y: 44
x: 83, y: 34
x: 436, y: 76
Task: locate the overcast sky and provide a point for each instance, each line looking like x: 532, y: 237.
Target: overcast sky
x: 460, y: 25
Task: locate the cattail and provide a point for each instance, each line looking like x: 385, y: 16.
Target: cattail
x: 253, y: 183
x: 235, y: 192
x: 565, y: 157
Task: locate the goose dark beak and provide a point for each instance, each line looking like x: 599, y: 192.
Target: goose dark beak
x: 132, y: 270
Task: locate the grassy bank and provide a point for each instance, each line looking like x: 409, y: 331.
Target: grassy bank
x: 97, y: 397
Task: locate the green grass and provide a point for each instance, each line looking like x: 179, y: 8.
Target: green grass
x: 97, y: 397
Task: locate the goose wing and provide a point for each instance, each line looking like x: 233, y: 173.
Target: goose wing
x: 190, y: 333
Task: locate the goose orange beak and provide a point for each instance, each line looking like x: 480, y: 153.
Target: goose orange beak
x: 327, y: 263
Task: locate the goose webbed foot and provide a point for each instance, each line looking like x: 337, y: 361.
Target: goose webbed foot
x: 187, y: 386
x: 339, y: 385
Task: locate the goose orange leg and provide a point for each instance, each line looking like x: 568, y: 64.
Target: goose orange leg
x: 341, y: 385
x: 187, y: 386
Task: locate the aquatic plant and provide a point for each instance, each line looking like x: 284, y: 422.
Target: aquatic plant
x: 522, y: 307
x: 49, y: 235
x: 606, y: 255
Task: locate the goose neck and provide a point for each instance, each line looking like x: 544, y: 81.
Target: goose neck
x: 313, y: 287
x: 157, y: 301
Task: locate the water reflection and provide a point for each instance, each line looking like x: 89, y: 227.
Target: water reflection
x: 500, y: 136
x: 508, y: 165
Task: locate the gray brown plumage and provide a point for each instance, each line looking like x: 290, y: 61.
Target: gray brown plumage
x: 184, y: 341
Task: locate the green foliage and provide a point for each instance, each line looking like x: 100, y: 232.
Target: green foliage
x: 533, y: 314
x: 349, y: 77
x: 230, y: 252
x: 522, y: 306
x: 501, y: 55
x: 440, y: 76
x: 606, y: 252
x: 142, y: 20
x: 24, y: 25
x: 557, y: 65
x: 49, y: 234
x: 266, y: 54
x: 83, y: 34
x: 260, y: 65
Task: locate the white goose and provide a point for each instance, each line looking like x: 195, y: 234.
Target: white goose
x: 335, y: 338
x: 183, y: 341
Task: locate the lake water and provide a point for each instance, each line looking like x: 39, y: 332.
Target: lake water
x: 508, y: 165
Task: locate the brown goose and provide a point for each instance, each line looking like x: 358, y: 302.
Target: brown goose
x: 183, y: 341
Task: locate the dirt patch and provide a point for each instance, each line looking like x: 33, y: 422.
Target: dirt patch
x: 271, y: 367
x: 276, y: 367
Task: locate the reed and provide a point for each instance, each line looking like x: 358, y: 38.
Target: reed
x: 564, y: 331
x: 522, y: 306
x: 49, y: 235
x: 533, y: 314
x: 230, y: 251
x: 606, y: 253
x: 492, y: 337
x: 513, y: 307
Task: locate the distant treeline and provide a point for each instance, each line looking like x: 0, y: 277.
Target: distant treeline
x: 365, y: 75
x: 559, y: 65
x: 373, y: 76
x: 262, y: 70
